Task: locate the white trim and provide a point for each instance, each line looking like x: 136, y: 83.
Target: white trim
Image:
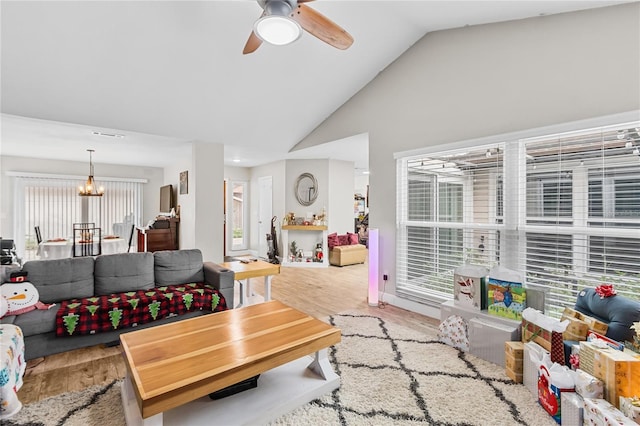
x: 603, y: 121
x: 410, y: 305
x: 56, y: 176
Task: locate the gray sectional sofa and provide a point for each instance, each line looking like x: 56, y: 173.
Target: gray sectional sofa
x: 87, y: 277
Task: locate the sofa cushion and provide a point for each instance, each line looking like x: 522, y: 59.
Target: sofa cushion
x: 61, y: 279
x: 617, y: 311
x: 117, y: 273
x: 332, y: 240
x: 343, y: 240
x: 37, y: 321
x: 353, y: 238
x: 178, y: 267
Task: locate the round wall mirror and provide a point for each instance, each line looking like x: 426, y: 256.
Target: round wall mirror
x: 306, y: 189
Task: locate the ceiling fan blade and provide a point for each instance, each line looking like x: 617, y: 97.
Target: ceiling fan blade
x: 318, y: 25
x: 252, y: 44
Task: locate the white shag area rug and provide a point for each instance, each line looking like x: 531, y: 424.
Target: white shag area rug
x: 390, y: 375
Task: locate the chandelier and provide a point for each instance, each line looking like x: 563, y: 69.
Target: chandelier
x: 90, y: 189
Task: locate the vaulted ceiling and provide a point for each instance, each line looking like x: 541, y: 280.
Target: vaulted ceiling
x: 162, y: 74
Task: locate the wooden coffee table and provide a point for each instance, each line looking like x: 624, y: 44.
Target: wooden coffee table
x: 172, y: 368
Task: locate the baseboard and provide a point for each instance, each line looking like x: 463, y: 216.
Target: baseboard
x: 410, y: 305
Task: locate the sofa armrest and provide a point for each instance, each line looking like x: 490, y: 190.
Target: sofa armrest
x: 222, y: 279
x: 217, y: 276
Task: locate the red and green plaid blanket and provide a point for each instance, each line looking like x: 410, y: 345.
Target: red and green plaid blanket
x: 121, y: 310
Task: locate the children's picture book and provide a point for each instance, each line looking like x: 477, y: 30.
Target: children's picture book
x: 507, y: 296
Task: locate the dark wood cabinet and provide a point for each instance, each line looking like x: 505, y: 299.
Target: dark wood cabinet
x: 163, y: 236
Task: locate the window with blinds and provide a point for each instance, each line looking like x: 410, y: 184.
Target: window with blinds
x: 582, y: 224
x: 449, y: 213
x: 563, y: 209
x: 53, y: 204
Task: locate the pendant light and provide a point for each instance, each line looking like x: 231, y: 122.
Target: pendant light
x: 90, y: 188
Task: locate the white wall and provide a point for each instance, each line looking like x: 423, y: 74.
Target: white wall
x: 319, y: 169
x: 154, y: 175
x: 487, y: 80
x: 208, y: 191
x: 361, y: 182
x: 340, y: 192
x: 186, y: 232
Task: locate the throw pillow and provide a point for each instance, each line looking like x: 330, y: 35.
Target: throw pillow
x: 353, y: 238
x: 343, y: 240
x: 21, y: 297
x: 332, y: 240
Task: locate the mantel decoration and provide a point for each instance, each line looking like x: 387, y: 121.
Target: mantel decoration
x: 90, y: 188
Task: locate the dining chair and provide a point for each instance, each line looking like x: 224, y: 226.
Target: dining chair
x: 87, y: 240
x: 38, y: 234
x: 133, y: 228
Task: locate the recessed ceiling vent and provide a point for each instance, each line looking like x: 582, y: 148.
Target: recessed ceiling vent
x: 109, y: 135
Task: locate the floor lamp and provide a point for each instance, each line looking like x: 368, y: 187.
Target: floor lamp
x: 373, y: 267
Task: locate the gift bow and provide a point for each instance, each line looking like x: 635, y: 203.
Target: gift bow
x: 605, y: 290
x: 574, y: 360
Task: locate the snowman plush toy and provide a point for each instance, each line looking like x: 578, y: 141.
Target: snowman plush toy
x: 19, y: 296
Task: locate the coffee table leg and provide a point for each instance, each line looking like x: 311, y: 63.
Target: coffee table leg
x: 321, y: 365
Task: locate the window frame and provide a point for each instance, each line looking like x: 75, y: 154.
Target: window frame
x: 516, y: 223
x: 232, y: 243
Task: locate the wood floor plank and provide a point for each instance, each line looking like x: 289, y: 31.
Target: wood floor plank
x: 319, y: 292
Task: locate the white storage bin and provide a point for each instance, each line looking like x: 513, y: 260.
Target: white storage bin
x: 486, y: 339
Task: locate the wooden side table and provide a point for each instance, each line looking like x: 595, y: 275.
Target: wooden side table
x: 252, y: 269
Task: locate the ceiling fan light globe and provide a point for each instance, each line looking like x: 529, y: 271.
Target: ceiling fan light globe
x: 278, y: 30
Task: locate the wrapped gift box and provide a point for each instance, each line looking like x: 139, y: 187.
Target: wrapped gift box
x: 516, y: 377
x: 588, y: 386
x: 486, y: 339
x: 599, y: 412
x: 513, y: 360
x: 619, y: 370
x: 592, y: 323
x: 571, y: 407
x: 630, y: 407
x: 529, y: 368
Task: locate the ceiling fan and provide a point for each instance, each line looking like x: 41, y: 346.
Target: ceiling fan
x: 282, y: 23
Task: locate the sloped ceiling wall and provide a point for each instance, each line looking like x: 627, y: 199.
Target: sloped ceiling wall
x: 487, y: 80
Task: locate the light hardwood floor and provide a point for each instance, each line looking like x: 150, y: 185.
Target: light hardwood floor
x: 319, y: 292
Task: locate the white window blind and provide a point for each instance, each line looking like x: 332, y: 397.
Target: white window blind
x: 564, y: 209
x: 53, y: 204
x: 582, y: 224
x: 449, y: 213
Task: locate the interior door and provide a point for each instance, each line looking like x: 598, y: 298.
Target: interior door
x: 265, y: 208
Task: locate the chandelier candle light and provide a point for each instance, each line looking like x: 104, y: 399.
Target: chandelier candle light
x: 89, y: 189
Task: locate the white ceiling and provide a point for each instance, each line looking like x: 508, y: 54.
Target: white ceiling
x: 166, y: 73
